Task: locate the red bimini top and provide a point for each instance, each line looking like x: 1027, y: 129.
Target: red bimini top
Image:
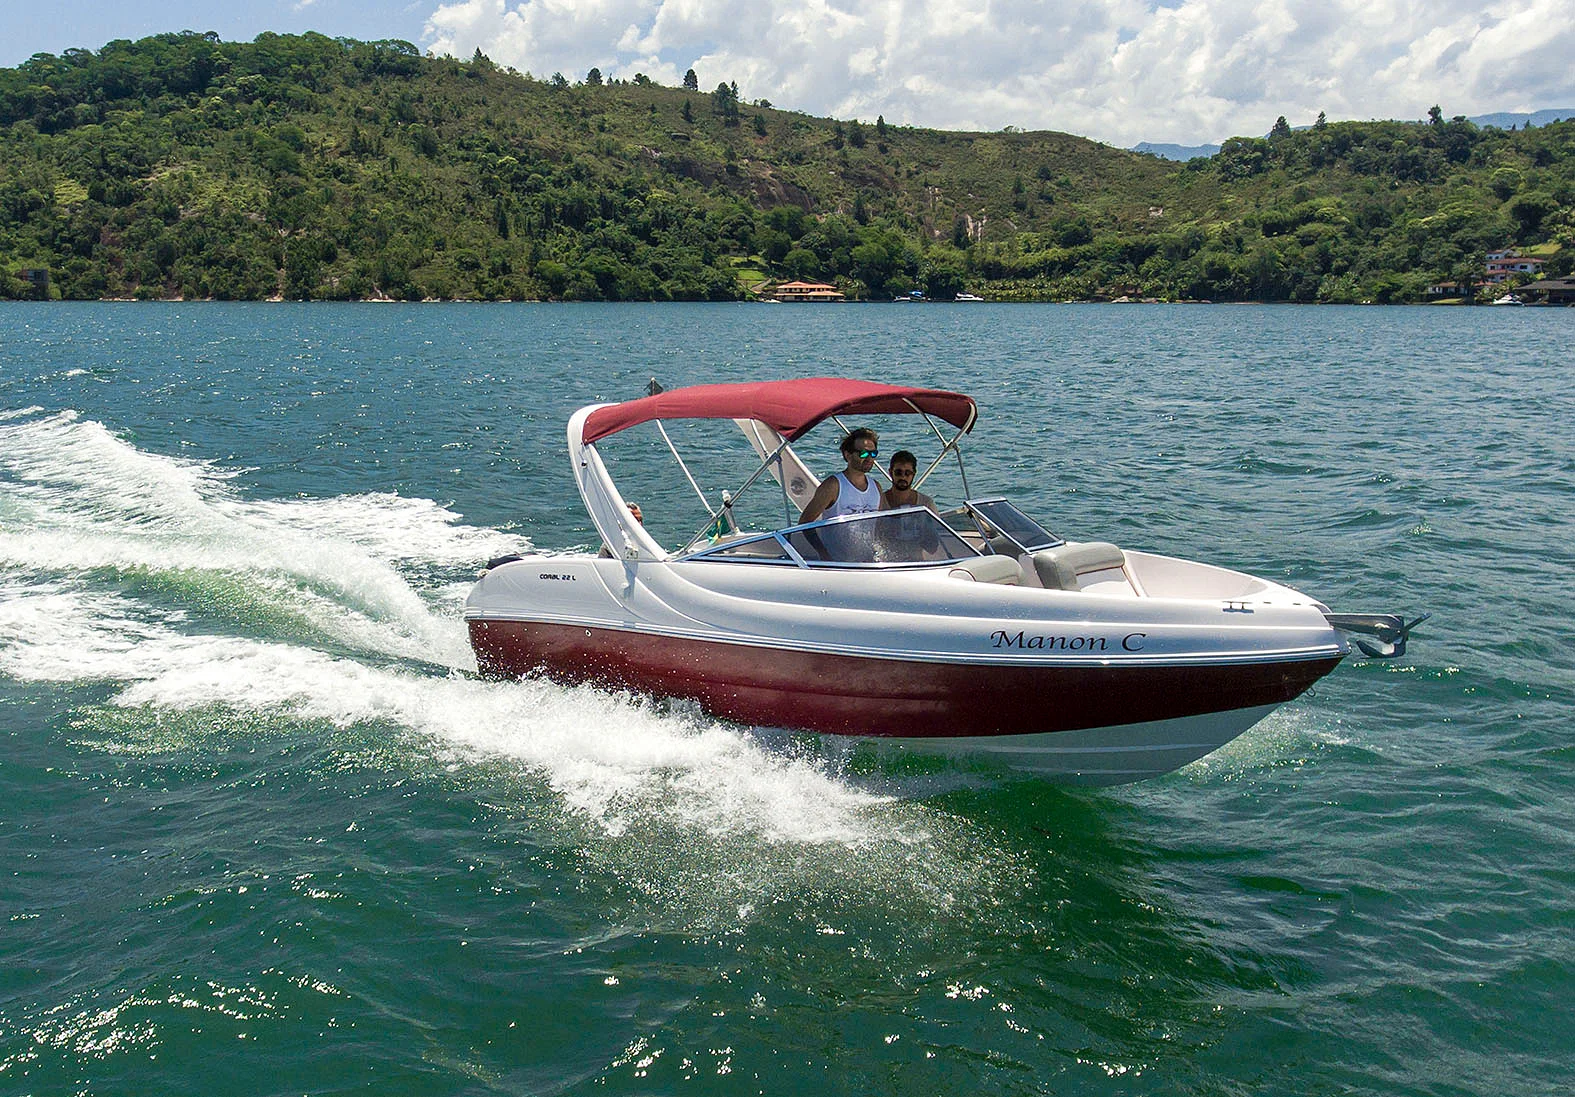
x: 791, y: 408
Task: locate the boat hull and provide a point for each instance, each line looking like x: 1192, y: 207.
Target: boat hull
x: 1088, y: 723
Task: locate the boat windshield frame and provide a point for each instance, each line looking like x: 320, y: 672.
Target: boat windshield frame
x: 986, y: 515
x: 790, y: 542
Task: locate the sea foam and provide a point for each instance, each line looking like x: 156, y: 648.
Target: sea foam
x: 78, y: 500
x: 93, y: 522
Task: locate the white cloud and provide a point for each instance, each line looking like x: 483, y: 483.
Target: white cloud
x: 1116, y: 70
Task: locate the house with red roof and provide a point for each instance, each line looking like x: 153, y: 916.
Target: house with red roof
x: 1507, y: 262
x: 808, y: 291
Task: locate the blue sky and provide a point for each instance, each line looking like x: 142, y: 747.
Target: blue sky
x: 51, y: 26
x: 1120, y: 71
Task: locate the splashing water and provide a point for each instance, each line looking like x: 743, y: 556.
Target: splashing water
x: 153, y: 574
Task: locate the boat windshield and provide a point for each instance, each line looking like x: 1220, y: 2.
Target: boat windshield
x: 909, y: 536
x: 1006, y: 528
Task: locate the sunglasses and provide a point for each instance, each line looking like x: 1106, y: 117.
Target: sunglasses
x: 863, y: 453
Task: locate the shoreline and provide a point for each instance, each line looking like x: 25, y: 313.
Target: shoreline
x: 1123, y: 301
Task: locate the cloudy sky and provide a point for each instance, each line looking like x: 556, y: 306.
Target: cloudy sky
x: 1121, y: 71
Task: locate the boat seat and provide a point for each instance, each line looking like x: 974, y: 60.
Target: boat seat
x: 1058, y: 568
x: 988, y: 569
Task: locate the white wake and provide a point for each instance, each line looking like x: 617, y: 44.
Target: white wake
x: 90, y: 523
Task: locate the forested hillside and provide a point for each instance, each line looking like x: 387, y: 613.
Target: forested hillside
x: 317, y: 168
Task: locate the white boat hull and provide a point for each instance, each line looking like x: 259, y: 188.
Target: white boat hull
x: 1105, y: 756
x: 1081, y: 688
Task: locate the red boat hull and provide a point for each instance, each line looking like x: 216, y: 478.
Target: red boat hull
x: 867, y: 696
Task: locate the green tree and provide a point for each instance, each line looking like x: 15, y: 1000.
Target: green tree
x: 724, y: 102
x: 1504, y: 182
x: 774, y: 244
x: 801, y: 263
x: 944, y: 273
x: 1528, y: 212
x: 1242, y: 158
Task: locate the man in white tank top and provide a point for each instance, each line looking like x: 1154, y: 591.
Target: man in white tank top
x: 851, y: 491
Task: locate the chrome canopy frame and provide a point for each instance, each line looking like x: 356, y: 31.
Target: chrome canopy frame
x: 720, y: 520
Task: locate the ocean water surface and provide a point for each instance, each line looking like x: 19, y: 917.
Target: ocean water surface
x: 263, y: 830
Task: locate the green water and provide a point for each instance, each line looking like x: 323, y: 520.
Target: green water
x: 262, y: 830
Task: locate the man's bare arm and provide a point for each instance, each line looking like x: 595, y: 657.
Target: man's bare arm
x: 824, y: 496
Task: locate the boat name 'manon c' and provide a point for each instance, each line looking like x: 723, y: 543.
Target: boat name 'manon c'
x: 970, y: 630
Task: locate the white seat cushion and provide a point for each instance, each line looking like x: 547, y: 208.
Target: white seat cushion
x: 989, y: 569
x: 1058, y: 568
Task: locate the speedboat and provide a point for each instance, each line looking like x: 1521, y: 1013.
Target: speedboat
x: 974, y: 631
